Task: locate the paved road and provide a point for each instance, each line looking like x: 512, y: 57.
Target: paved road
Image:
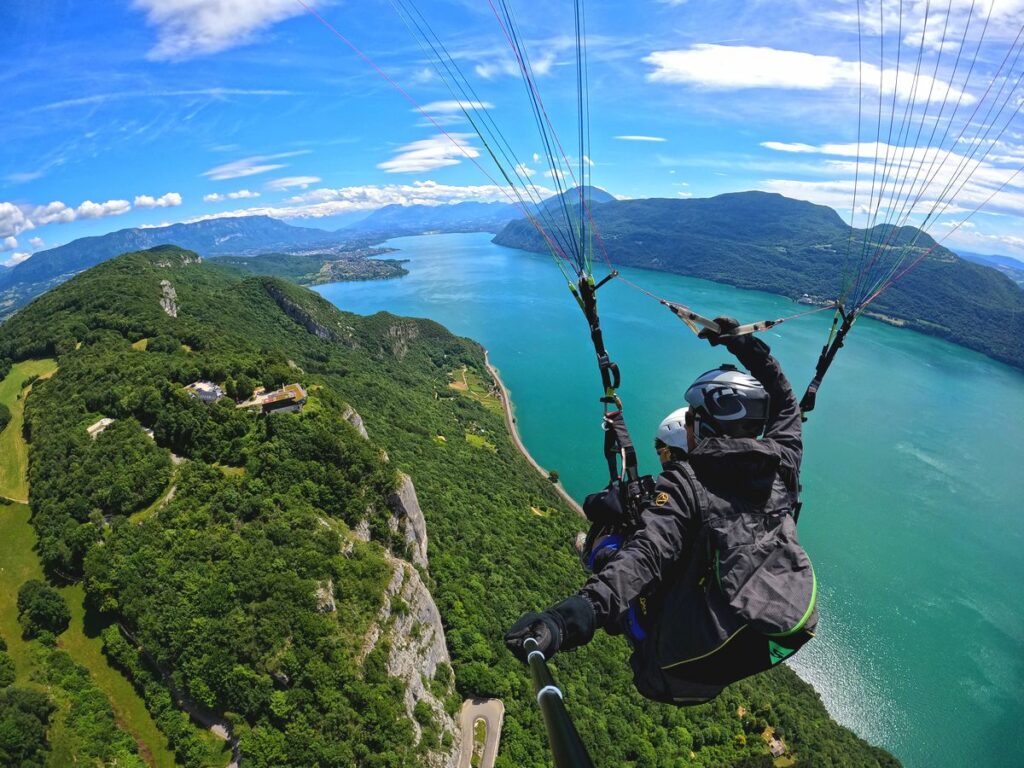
x: 492, y: 712
x: 513, y: 430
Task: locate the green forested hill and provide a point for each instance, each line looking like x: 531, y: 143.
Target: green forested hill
x: 767, y: 242
x: 210, y: 560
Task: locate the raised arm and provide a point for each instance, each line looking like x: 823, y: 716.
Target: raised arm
x: 784, y: 426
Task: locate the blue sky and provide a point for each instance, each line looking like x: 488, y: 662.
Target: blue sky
x: 143, y: 112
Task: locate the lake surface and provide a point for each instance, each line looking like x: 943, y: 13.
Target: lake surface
x: 913, y: 474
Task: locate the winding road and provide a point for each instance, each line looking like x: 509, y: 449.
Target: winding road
x: 492, y: 712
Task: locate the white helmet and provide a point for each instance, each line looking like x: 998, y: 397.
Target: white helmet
x: 672, y: 430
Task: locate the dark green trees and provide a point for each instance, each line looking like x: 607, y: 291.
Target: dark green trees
x: 41, y: 609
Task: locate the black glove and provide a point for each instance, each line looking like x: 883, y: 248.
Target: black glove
x: 562, y: 627
x: 726, y: 326
x: 747, y: 347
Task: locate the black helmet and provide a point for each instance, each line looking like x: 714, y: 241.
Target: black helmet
x: 727, y: 403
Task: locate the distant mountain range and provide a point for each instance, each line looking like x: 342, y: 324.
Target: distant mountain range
x: 751, y: 240
x: 395, y: 220
x: 1012, y: 268
x: 768, y: 242
x: 254, y: 235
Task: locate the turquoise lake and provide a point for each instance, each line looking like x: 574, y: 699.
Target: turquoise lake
x: 913, y: 474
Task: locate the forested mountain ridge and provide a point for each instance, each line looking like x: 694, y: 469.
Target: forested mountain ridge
x: 224, y: 581
x: 768, y: 242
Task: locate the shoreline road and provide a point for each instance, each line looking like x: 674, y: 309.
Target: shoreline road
x: 513, y: 430
x: 492, y: 712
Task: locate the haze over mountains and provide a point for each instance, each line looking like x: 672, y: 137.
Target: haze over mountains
x: 751, y: 240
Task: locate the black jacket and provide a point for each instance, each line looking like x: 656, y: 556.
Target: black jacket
x: 729, y: 472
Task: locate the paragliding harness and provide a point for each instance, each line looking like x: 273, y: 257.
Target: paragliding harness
x: 612, y: 524
x: 633, y: 488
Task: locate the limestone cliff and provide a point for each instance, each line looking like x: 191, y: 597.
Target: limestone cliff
x: 410, y: 623
x: 168, y: 298
x: 407, y: 516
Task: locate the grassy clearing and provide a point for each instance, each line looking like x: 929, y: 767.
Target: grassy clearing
x: 82, y: 641
x: 479, y: 741
x: 18, y: 564
x: 472, y: 385
x: 13, y: 451
x: 479, y: 442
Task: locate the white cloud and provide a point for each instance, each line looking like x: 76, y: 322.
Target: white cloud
x: 91, y: 210
x: 429, y: 154
x: 453, y: 106
x: 524, y: 170
x: 9, y: 243
x: 250, y: 166
x: 734, y: 67
x: 242, y: 194
x: 36, y: 243
x: 187, y: 28
x: 302, y: 182
x: 170, y: 200
x: 59, y: 213
x: 641, y: 138
x: 15, y: 259
x: 782, y: 146
x: 319, y: 203
x: 13, y: 220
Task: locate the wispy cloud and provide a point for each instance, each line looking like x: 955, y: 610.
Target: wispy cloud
x: 641, y: 138
x: 454, y: 106
x: 506, y: 66
x: 430, y: 154
x: 169, y: 200
x: 735, y: 67
x: 242, y: 194
x: 189, y: 28
x: 104, y: 98
x: 291, y: 182
x: 251, y: 166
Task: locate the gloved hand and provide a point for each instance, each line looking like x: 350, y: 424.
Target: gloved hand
x: 726, y: 325
x: 747, y: 347
x: 562, y: 627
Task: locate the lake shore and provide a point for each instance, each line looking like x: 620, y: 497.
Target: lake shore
x: 513, y: 430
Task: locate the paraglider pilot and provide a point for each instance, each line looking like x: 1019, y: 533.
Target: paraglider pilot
x: 711, y: 585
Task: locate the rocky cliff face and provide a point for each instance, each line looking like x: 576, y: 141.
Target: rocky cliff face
x: 168, y: 298
x: 410, y: 622
x: 407, y: 516
x: 300, y: 315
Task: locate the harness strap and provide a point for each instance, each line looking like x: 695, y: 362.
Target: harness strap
x: 620, y: 454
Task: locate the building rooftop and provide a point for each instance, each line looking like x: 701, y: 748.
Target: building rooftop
x: 98, y: 427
